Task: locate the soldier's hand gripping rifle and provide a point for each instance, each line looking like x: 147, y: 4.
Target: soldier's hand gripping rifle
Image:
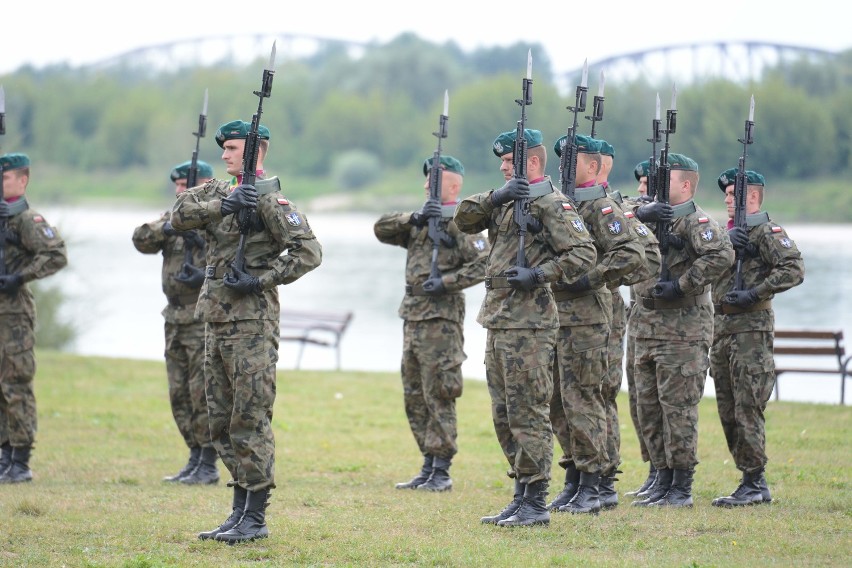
x: 521, y: 212
x: 249, y: 172
x: 3, y: 220
x: 740, y: 192
x: 189, y: 240
x: 597, y: 105
x: 568, y: 159
x: 663, y: 186
x: 437, y: 233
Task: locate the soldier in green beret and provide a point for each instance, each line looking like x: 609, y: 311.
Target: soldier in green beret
x: 520, y: 314
x: 433, y: 312
x: 31, y: 249
x: 673, y: 326
x: 182, y: 274
x: 741, y: 358
x: 241, y: 308
x: 578, y: 409
x: 640, y: 172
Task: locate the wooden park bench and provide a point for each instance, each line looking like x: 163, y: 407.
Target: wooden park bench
x: 315, y: 327
x: 823, y: 345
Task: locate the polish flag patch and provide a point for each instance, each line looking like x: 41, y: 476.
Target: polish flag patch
x: 606, y: 210
x: 283, y: 201
x: 567, y: 206
x: 776, y: 229
x: 38, y: 219
x: 629, y: 214
x: 703, y: 219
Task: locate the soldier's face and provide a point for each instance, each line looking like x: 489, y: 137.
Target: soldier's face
x: 643, y: 186
x: 729, y: 200
x: 180, y: 186
x: 507, y: 166
x: 232, y: 155
x: 14, y: 183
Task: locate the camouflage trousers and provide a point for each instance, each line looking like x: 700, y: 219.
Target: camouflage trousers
x: 432, y: 355
x: 577, y: 409
x: 519, y: 373
x: 239, y: 372
x: 185, y: 371
x: 629, y: 359
x: 670, y: 377
x: 18, y: 420
x: 611, y: 385
x: 743, y: 370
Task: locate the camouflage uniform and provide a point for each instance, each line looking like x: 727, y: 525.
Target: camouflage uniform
x: 184, y: 335
x: 522, y: 325
x: 37, y: 252
x: 242, y: 331
x: 673, y: 339
x: 433, y: 340
x: 741, y: 359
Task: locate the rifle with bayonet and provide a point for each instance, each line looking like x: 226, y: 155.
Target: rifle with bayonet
x: 597, y: 105
x: 189, y: 237
x: 437, y: 233
x: 663, y: 186
x: 247, y: 215
x: 568, y: 159
x: 3, y: 220
x: 740, y: 192
x: 521, y: 213
x: 656, y: 138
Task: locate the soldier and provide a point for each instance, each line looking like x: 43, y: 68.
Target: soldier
x: 520, y: 315
x: 32, y: 249
x: 241, y: 309
x: 578, y: 410
x: 673, y: 327
x: 741, y: 359
x: 433, y: 310
x: 183, y: 253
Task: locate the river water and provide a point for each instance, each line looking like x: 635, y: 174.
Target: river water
x: 115, y: 297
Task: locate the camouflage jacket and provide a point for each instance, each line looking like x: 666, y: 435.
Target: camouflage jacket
x: 650, y: 267
x: 37, y: 251
x: 778, y: 267
x: 706, y: 254
x: 280, y: 252
x: 461, y: 265
x: 149, y: 238
x: 563, y: 250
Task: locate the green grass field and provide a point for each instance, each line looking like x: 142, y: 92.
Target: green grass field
x: 106, y: 438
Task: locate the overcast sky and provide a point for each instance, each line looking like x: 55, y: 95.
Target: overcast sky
x: 86, y: 31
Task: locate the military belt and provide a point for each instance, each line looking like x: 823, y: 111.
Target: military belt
x: 687, y: 302
x: 492, y: 282
x: 182, y: 300
x: 221, y: 271
x: 417, y: 291
x: 726, y: 309
x: 561, y: 295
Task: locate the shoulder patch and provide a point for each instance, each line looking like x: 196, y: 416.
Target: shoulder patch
x: 606, y: 210
x: 642, y: 230
x: 479, y: 244
x: 38, y: 219
x: 703, y: 219
x: 283, y: 201
x: 48, y: 232
x: 614, y: 227
x: 629, y: 214
x: 567, y: 206
x: 776, y: 229
x: 578, y: 225
x: 294, y: 219
x: 785, y: 242
x: 707, y: 235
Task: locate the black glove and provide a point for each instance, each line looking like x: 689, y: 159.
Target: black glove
x: 193, y: 238
x: 244, y: 195
x: 242, y: 282
x: 521, y: 278
x: 655, y: 211
x: 434, y: 287
x: 669, y: 290
x: 190, y: 275
x: 9, y: 283
x: 580, y: 285
x: 515, y: 188
x: 645, y: 199
x: 12, y: 237
x: 168, y: 230
x: 432, y: 208
x: 4, y: 209
x: 672, y: 241
x: 741, y: 298
x: 739, y: 237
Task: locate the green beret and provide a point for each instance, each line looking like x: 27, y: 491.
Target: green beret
x: 585, y: 144
x: 681, y: 162
x: 238, y: 129
x: 641, y: 169
x: 729, y: 177
x: 181, y: 171
x: 607, y: 149
x: 14, y: 161
x: 505, y: 143
x: 447, y: 162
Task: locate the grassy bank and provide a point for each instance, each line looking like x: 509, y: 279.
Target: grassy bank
x: 106, y: 438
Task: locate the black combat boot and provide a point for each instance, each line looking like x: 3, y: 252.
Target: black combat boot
x: 510, y: 509
x: 421, y: 477
x: 440, y: 478
x: 748, y: 493
x: 606, y: 491
x: 5, y: 457
x: 194, y: 455
x: 643, y: 490
x: 206, y: 472
x: 587, y: 497
x: 19, y: 470
x: 680, y: 492
x: 662, y: 484
x: 533, y: 509
x: 764, y: 488
x: 252, y: 525
x: 572, y: 480
x: 239, y: 506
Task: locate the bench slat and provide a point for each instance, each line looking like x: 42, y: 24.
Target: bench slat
x: 812, y: 343
x: 807, y: 334
x: 799, y: 350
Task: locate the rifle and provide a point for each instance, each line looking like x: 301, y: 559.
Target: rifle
x: 521, y: 212
x: 655, y: 139
x: 597, y: 106
x: 192, y: 177
x: 568, y: 159
x: 663, y: 184
x: 3, y: 220
x: 249, y: 171
x: 741, y: 190
x: 436, y: 232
